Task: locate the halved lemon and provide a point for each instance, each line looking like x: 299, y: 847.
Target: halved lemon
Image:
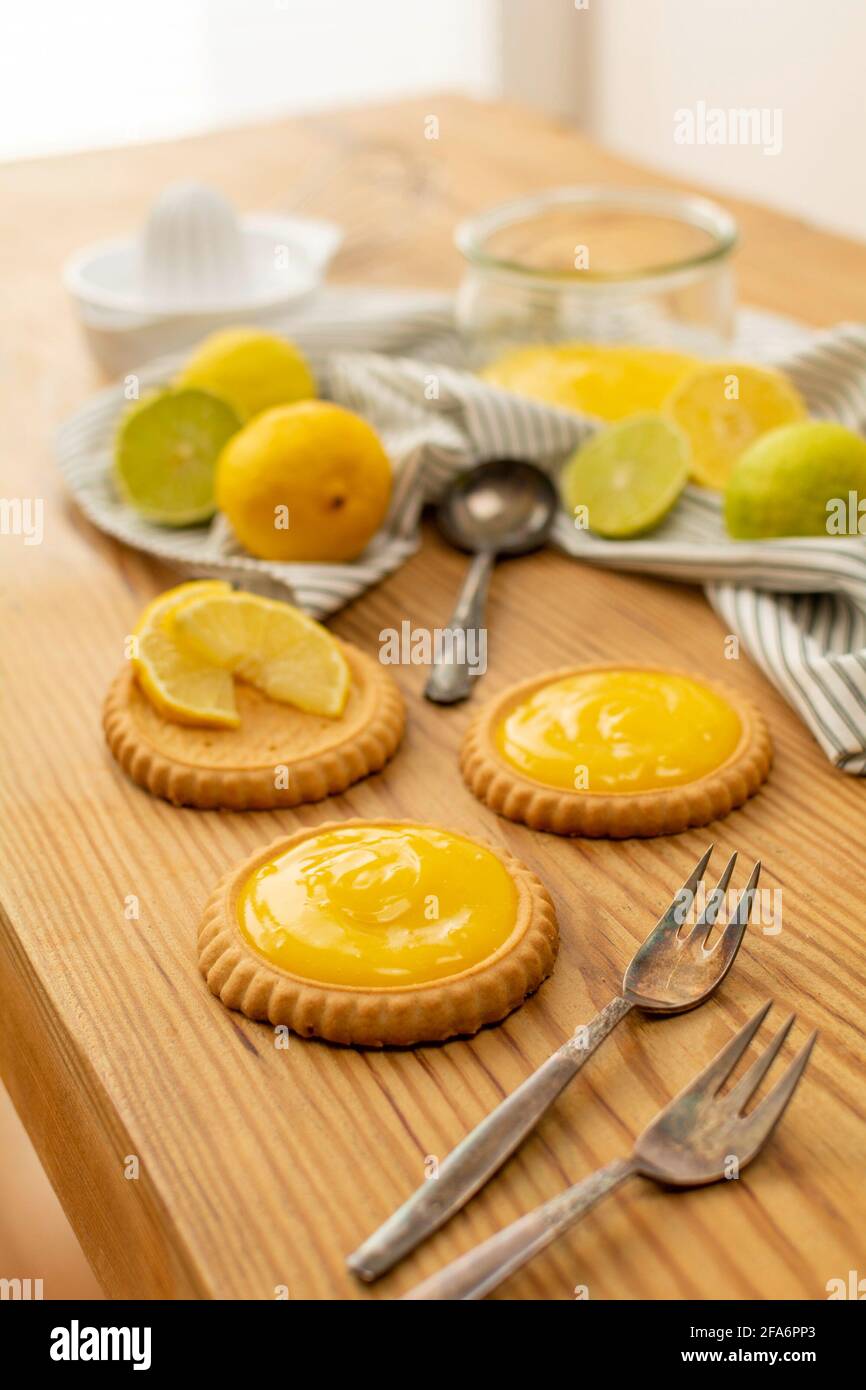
x: 611, y: 380
x: 184, y: 686
x: 272, y: 645
x: 723, y: 407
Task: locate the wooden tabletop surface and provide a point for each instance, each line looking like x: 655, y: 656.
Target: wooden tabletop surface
x: 260, y: 1168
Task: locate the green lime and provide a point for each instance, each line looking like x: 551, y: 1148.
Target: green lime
x: 625, y: 479
x: 165, y: 455
x: 798, y: 480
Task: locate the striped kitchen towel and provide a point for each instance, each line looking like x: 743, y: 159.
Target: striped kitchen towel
x: 798, y: 606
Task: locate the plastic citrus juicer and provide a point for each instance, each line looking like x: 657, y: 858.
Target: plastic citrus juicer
x: 195, y: 266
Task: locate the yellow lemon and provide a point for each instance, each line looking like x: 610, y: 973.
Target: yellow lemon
x: 249, y: 369
x: 272, y: 645
x: 304, y: 482
x: 610, y: 381
x: 723, y: 407
x: 184, y: 686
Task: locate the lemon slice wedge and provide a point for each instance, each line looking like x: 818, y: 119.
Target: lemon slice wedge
x: 185, y: 687
x: 270, y: 644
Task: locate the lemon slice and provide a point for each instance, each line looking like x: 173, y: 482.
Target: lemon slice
x: 724, y: 407
x: 272, y: 645
x: 627, y: 477
x: 183, y: 686
x: 165, y: 455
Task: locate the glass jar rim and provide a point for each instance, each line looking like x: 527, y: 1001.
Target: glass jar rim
x: 690, y: 209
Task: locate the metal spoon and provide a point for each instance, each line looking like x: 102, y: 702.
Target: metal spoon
x: 504, y: 507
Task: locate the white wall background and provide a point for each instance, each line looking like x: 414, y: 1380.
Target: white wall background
x: 78, y: 73
x: 806, y: 58
x: 83, y: 73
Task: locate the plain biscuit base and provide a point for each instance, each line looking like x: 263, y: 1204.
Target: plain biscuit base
x: 245, y: 768
x: 663, y: 811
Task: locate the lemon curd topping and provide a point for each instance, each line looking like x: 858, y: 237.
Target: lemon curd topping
x: 619, y: 732
x: 378, y: 906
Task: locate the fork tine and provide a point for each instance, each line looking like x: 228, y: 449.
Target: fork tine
x: 763, y: 1120
x: 719, y: 1069
x: 714, y: 902
x: 745, y: 1088
x: 682, y: 899
x: 747, y: 898
x: 732, y: 936
x: 697, y: 872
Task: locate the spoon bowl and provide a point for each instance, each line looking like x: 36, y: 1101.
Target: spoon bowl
x: 505, y: 506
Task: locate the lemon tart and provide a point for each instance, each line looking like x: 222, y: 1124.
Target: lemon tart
x: 616, y: 751
x: 377, y: 932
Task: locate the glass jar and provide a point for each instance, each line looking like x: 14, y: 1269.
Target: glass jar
x: 602, y: 265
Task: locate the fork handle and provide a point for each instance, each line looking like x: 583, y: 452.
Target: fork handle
x: 483, y: 1151
x: 481, y: 1270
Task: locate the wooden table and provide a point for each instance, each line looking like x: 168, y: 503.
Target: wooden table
x: 261, y: 1168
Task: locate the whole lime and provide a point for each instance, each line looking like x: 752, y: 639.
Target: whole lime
x: 798, y: 480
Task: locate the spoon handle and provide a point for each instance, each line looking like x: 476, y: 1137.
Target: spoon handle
x: 462, y: 655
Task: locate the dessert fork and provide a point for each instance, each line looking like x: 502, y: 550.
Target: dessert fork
x: 690, y: 1143
x: 670, y: 973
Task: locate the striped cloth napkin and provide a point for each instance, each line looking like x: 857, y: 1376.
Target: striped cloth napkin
x: 797, y: 606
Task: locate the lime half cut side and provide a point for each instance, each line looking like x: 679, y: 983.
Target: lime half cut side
x: 165, y: 455
x: 626, y: 479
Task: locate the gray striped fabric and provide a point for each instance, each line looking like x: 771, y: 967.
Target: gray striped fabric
x: 798, y: 606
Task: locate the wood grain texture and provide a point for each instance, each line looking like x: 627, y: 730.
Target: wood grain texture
x: 262, y: 1167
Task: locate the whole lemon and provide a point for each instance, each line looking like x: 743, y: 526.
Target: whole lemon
x: 249, y: 369
x: 304, y: 482
x: 798, y: 480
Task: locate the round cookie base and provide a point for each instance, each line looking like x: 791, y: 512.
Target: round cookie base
x: 666, y: 811
x: 279, y: 757
x: 401, y: 1016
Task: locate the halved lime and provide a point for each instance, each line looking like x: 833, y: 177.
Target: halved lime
x: 165, y: 455
x: 626, y: 478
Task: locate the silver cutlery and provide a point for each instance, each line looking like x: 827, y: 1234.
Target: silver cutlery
x: 693, y: 1141
x: 671, y: 972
